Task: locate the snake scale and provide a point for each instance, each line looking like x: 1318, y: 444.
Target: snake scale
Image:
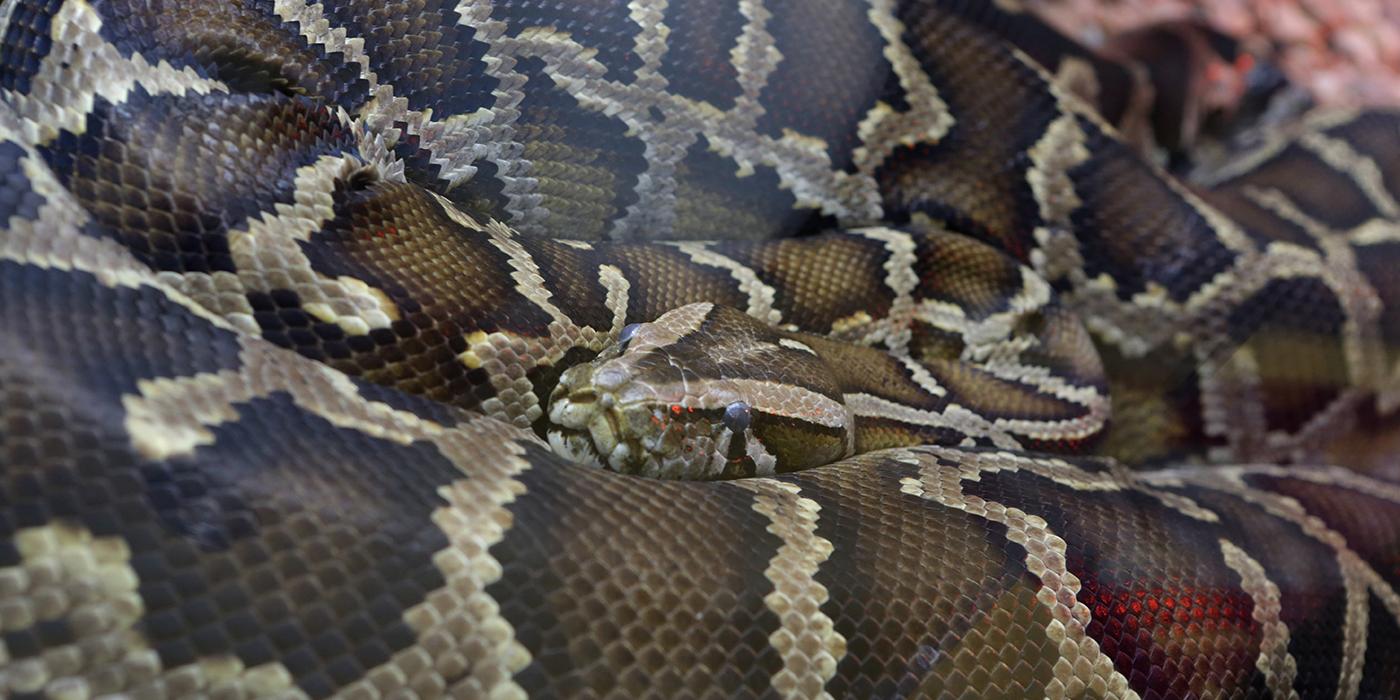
x: 285, y: 288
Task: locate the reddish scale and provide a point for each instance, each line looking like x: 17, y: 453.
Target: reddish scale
x: 384, y: 232
x: 1215, y: 72
x: 665, y: 425
x: 1119, y: 615
x: 676, y: 410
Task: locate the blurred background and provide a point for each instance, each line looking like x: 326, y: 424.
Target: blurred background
x: 1343, y: 52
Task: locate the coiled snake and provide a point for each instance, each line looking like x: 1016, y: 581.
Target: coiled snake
x: 286, y: 287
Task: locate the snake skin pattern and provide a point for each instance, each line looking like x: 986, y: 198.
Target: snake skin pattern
x: 283, y: 286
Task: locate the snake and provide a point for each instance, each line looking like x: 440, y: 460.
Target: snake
x: 635, y: 348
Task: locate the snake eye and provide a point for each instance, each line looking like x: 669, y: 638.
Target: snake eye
x: 737, y: 416
x: 628, y: 332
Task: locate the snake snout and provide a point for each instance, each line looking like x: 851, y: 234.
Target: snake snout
x: 585, y: 425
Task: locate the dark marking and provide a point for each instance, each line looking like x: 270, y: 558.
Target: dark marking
x: 710, y: 632
x: 697, y: 63
x: 564, y: 143
x: 1312, y: 594
x: 17, y: 196
x: 26, y: 42
x: 1369, y: 524
x: 1380, y: 676
x: 1152, y: 589
x: 889, y: 618
x: 595, y: 24
x: 321, y: 576
x: 121, y: 326
x: 1295, y: 329
x: 1135, y: 229
x: 168, y: 177
x: 825, y: 88
x: 714, y: 202
x: 424, y: 51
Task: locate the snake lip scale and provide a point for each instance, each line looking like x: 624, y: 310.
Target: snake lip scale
x: 575, y: 445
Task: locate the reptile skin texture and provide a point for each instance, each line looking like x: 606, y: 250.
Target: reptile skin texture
x: 285, y: 287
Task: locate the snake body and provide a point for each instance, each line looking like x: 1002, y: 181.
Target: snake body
x: 286, y: 287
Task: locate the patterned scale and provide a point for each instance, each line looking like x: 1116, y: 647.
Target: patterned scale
x: 283, y: 286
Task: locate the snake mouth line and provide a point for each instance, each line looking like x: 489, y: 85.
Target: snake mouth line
x: 587, y: 427
x: 581, y: 445
x: 575, y: 445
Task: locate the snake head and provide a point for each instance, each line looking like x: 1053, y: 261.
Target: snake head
x: 702, y: 392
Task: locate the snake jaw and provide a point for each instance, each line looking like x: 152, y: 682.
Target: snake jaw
x: 587, y: 429
x: 600, y: 418
x: 574, y: 446
x: 592, y: 429
x: 588, y: 425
